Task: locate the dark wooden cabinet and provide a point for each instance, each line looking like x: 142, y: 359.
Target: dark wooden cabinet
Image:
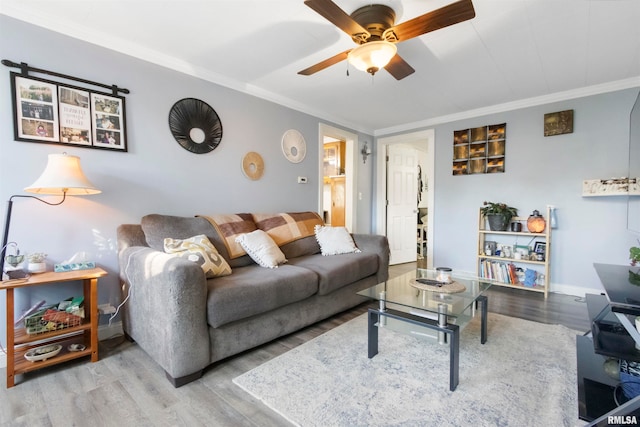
x: 599, y: 352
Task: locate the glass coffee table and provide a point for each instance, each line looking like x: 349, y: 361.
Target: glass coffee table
x: 414, y: 304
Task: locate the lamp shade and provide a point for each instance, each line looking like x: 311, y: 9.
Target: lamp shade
x: 372, y: 56
x: 63, y: 175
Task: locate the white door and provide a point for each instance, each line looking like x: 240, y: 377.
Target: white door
x: 402, y: 203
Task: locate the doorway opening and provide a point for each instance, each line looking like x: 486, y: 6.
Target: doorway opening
x: 337, y: 172
x: 409, y: 227
x: 334, y: 179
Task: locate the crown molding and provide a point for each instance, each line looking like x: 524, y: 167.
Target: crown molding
x: 514, y: 105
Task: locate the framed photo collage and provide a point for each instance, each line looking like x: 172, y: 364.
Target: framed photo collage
x: 51, y: 112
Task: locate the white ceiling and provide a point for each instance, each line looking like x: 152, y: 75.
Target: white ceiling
x: 513, y: 53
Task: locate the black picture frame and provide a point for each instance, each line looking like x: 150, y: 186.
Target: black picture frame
x: 50, y: 112
x: 540, y: 247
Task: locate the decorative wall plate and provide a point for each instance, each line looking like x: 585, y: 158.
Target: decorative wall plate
x: 195, y: 125
x: 294, y: 146
x: 253, y: 165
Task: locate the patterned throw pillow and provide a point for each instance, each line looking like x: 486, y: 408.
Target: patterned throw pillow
x: 335, y: 240
x: 199, y: 250
x: 261, y: 248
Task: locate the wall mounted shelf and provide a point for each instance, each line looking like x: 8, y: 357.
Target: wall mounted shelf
x: 611, y: 187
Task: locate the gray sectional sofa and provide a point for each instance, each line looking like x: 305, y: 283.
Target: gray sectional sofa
x: 185, y: 322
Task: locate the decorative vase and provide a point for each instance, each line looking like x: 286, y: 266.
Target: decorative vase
x: 37, y: 267
x: 498, y: 222
x: 553, y: 219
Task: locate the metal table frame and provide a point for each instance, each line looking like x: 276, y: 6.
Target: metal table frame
x: 444, y: 329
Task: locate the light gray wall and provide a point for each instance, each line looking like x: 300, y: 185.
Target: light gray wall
x: 540, y: 171
x: 156, y: 175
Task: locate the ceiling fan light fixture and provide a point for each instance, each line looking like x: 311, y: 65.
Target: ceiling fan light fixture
x: 372, y: 56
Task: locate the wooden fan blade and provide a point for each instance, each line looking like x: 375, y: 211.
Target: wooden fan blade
x: 399, y: 68
x: 338, y: 17
x: 325, y: 64
x: 454, y: 13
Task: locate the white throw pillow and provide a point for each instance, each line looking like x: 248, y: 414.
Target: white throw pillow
x: 335, y: 240
x: 261, y: 248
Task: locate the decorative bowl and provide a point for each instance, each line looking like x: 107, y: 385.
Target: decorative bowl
x: 42, y: 353
x: 76, y: 347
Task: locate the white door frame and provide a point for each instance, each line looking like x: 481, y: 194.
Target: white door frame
x: 350, y: 170
x: 422, y: 137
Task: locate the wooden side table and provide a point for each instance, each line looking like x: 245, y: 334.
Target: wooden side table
x: 19, y: 342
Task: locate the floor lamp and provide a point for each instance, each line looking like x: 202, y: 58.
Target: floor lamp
x: 62, y: 176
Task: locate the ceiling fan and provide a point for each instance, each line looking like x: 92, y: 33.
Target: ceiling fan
x: 372, y: 28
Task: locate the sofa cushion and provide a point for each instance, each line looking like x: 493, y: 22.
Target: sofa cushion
x: 157, y: 227
x: 254, y: 290
x: 305, y: 246
x: 262, y: 249
x: 199, y: 249
x: 335, y: 240
x: 337, y: 271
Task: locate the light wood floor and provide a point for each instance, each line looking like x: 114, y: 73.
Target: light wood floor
x: 126, y: 388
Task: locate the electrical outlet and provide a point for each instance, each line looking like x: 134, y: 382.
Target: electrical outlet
x: 106, y: 309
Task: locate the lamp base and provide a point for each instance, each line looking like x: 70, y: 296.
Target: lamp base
x: 17, y: 274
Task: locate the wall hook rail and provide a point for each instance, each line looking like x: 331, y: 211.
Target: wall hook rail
x: 25, y: 68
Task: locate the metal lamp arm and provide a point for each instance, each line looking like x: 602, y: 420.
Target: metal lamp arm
x: 7, y: 221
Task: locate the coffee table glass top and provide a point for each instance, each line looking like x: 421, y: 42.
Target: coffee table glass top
x: 405, y: 294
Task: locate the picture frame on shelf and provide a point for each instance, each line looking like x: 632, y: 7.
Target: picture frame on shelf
x: 540, y: 248
x: 490, y: 247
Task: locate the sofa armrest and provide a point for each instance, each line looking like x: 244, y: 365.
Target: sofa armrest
x: 378, y: 244
x: 165, y: 312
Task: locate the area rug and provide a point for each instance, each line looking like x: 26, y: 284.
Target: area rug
x: 525, y: 375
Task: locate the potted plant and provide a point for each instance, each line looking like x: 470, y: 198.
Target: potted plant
x: 634, y: 255
x: 36, y: 262
x: 498, y: 215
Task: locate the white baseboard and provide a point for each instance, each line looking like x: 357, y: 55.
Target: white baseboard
x: 104, y: 332
x: 578, y: 291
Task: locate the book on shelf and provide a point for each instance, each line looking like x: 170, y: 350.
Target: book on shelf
x: 501, y: 271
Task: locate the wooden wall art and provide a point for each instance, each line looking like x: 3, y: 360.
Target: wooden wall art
x: 479, y: 150
x: 558, y: 123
